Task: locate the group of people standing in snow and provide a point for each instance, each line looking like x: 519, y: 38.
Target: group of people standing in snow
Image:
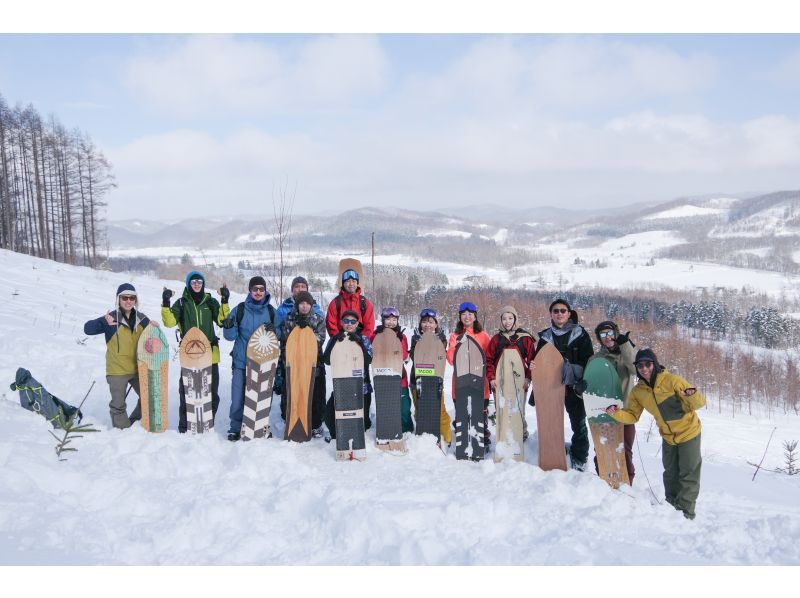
x: 350, y: 317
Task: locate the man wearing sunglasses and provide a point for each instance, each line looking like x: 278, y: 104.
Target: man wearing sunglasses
x: 122, y: 327
x: 197, y: 308
x: 350, y: 297
x: 575, y: 346
x: 618, y: 349
x: 673, y: 403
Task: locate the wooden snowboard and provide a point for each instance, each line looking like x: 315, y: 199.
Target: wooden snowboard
x: 603, y: 388
x: 347, y: 371
x: 195, y: 356
x: 469, y: 371
x: 301, y: 366
x: 549, y: 394
x: 510, y: 401
x: 429, y: 363
x: 387, y: 370
x: 152, y: 355
x: 263, y: 351
x: 350, y: 263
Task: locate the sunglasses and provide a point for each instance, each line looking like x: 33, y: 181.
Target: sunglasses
x: 349, y: 321
x: 258, y: 290
x: 390, y: 312
x: 606, y: 334
x: 559, y: 310
x: 428, y: 313
x: 644, y: 365
x: 127, y: 297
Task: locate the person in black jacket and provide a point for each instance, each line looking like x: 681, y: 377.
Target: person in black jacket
x: 575, y: 346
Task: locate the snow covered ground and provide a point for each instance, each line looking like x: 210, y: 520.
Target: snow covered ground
x: 130, y: 497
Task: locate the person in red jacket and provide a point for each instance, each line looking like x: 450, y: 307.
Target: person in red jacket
x: 468, y: 324
x: 350, y: 298
x: 516, y: 338
x: 390, y: 318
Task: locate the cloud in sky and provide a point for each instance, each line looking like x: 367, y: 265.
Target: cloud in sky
x: 524, y: 119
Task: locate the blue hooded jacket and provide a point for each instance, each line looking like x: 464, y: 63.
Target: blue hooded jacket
x: 255, y: 315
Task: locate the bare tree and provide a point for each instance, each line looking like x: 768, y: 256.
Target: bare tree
x: 282, y: 210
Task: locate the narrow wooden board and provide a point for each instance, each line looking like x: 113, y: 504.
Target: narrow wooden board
x: 263, y: 351
x: 510, y: 401
x: 351, y: 263
x: 549, y: 394
x: 152, y: 354
x: 195, y: 359
x: 301, y: 361
x: 347, y: 371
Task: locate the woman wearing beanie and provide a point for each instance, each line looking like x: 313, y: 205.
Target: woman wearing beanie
x: 510, y: 335
x: 254, y: 312
x: 468, y: 324
x: 673, y: 402
x: 428, y: 322
x: 122, y: 327
x: 197, y: 308
x: 575, y: 346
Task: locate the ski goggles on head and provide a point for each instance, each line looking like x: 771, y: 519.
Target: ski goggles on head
x: 428, y: 313
x: 349, y: 274
x: 390, y: 312
x: 349, y: 321
x: 467, y: 306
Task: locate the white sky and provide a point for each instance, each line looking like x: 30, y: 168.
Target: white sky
x: 211, y: 124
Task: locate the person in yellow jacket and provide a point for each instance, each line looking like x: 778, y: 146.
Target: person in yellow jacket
x: 196, y: 308
x: 122, y: 327
x: 673, y: 402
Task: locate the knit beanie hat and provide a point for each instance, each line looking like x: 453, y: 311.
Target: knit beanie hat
x: 256, y: 281
x: 298, y: 280
x: 304, y: 297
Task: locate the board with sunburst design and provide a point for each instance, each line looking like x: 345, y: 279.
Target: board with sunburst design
x: 263, y: 351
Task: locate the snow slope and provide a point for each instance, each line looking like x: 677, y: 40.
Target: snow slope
x: 129, y: 497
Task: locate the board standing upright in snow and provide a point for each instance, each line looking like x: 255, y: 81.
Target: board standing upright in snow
x: 549, y: 394
x: 429, y: 365
x: 301, y: 362
x: 387, y: 368
x: 263, y: 351
x: 603, y: 389
x: 347, y: 371
x: 469, y: 367
x: 195, y: 356
x: 510, y: 397
x: 152, y: 354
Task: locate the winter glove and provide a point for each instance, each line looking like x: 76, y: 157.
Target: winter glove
x: 302, y: 323
x: 225, y: 293
x: 166, y: 296
x: 268, y: 327
x: 352, y: 336
x: 624, y: 338
x: 340, y: 336
x: 227, y: 323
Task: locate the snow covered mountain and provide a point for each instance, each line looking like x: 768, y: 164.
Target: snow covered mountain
x: 130, y: 497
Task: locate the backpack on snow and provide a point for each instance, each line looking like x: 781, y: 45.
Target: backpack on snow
x: 35, y: 397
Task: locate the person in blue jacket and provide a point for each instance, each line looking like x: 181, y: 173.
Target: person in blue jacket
x: 244, y: 319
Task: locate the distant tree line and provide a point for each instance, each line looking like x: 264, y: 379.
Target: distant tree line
x: 53, y: 185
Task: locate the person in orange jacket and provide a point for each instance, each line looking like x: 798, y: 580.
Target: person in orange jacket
x: 468, y: 324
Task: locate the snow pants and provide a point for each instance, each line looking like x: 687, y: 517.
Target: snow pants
x: 405, y: 410
x: 579, y: 451
x: 214, y: 398
x: 317, y: 401
x: 682, y: 464
x: 118, y: 408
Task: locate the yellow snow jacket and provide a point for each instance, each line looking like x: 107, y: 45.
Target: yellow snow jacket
x: 675, y: 414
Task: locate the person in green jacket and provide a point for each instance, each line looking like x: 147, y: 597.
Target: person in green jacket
x: 122, y: 327
x: 673, y: 402
x: 196, y: 308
